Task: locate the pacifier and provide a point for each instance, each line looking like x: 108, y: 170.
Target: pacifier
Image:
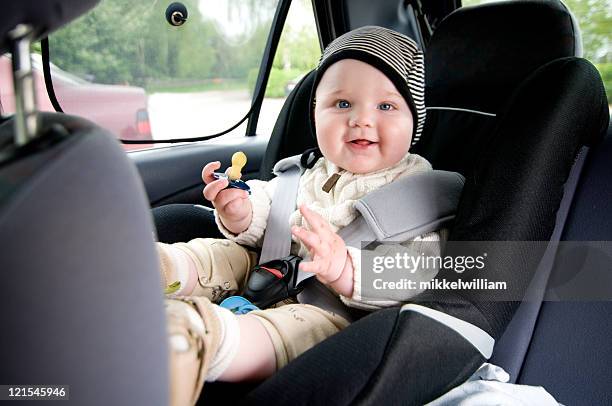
x: 233, y: 173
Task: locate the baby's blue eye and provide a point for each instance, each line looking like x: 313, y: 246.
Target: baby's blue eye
x: 385, y: 106
x: 343, y: 104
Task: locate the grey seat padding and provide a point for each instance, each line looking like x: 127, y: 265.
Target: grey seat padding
x: 82, y: 302
x: 399, y: 211
x: 412, y: 206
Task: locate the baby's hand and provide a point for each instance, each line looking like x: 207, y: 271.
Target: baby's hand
x: 329, y: 258
x: 233, y: 205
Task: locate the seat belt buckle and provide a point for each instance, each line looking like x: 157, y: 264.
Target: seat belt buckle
x: 273, y: 281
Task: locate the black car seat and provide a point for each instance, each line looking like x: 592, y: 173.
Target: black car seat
x: 81, y: 298
x: 292, y: 133
x: 510, y: 107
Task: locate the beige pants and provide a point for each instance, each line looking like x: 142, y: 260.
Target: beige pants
x: 193, y: 340
x: 223, y: 267
x: 295, y: 328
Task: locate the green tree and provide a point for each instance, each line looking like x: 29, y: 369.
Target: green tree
x: 99, y: 45
x: 595, y: 20
x: 124, y: 41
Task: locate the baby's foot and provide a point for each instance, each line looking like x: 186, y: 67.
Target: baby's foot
x: 193, y: 338
x: 203, y: 340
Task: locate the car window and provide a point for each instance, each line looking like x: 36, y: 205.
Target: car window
x: 595, y: 21
x: 297, y: 54
x: 144, y: 78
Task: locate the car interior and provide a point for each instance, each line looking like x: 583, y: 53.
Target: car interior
x: 511, y: 105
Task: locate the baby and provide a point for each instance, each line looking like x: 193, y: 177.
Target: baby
x: 368, y: 109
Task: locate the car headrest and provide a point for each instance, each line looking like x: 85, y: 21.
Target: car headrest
x: 44, y: 16
x: 292, y: 133
x: 495, y: 46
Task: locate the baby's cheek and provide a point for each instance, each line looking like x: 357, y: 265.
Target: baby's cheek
x: 396, y: 147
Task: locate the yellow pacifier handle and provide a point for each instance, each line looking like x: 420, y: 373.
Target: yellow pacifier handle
x: 239, y: 159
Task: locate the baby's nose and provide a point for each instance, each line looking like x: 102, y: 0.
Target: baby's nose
x: 361, y: 118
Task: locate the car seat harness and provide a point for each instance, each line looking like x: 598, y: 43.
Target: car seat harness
x: 432, y: 197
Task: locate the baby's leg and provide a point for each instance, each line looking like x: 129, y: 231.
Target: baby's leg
x: 209, y: 267
x: 208, y: 343
x: 271, y: 338
x: 255, y: 358
x: 293, y: 329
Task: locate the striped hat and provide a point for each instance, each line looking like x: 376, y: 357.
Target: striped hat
x: 394, y: 54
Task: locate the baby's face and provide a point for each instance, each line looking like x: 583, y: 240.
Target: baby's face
x: 363, y: 124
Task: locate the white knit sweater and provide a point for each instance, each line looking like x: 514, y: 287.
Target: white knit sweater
x: 337, y: 207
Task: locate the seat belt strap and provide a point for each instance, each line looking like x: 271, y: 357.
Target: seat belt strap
x: 378, y: 220
x: 277, y: 238
x: 511, y: 348
x: 432, y: 197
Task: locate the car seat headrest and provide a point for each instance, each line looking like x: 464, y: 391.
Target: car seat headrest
x: 92, y: 282
x: 495, y: 46
x: 292, y: 132
x: 43, y: 16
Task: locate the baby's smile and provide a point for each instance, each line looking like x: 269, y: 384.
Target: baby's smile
x: 362, y: 141
x: 362, y: 144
